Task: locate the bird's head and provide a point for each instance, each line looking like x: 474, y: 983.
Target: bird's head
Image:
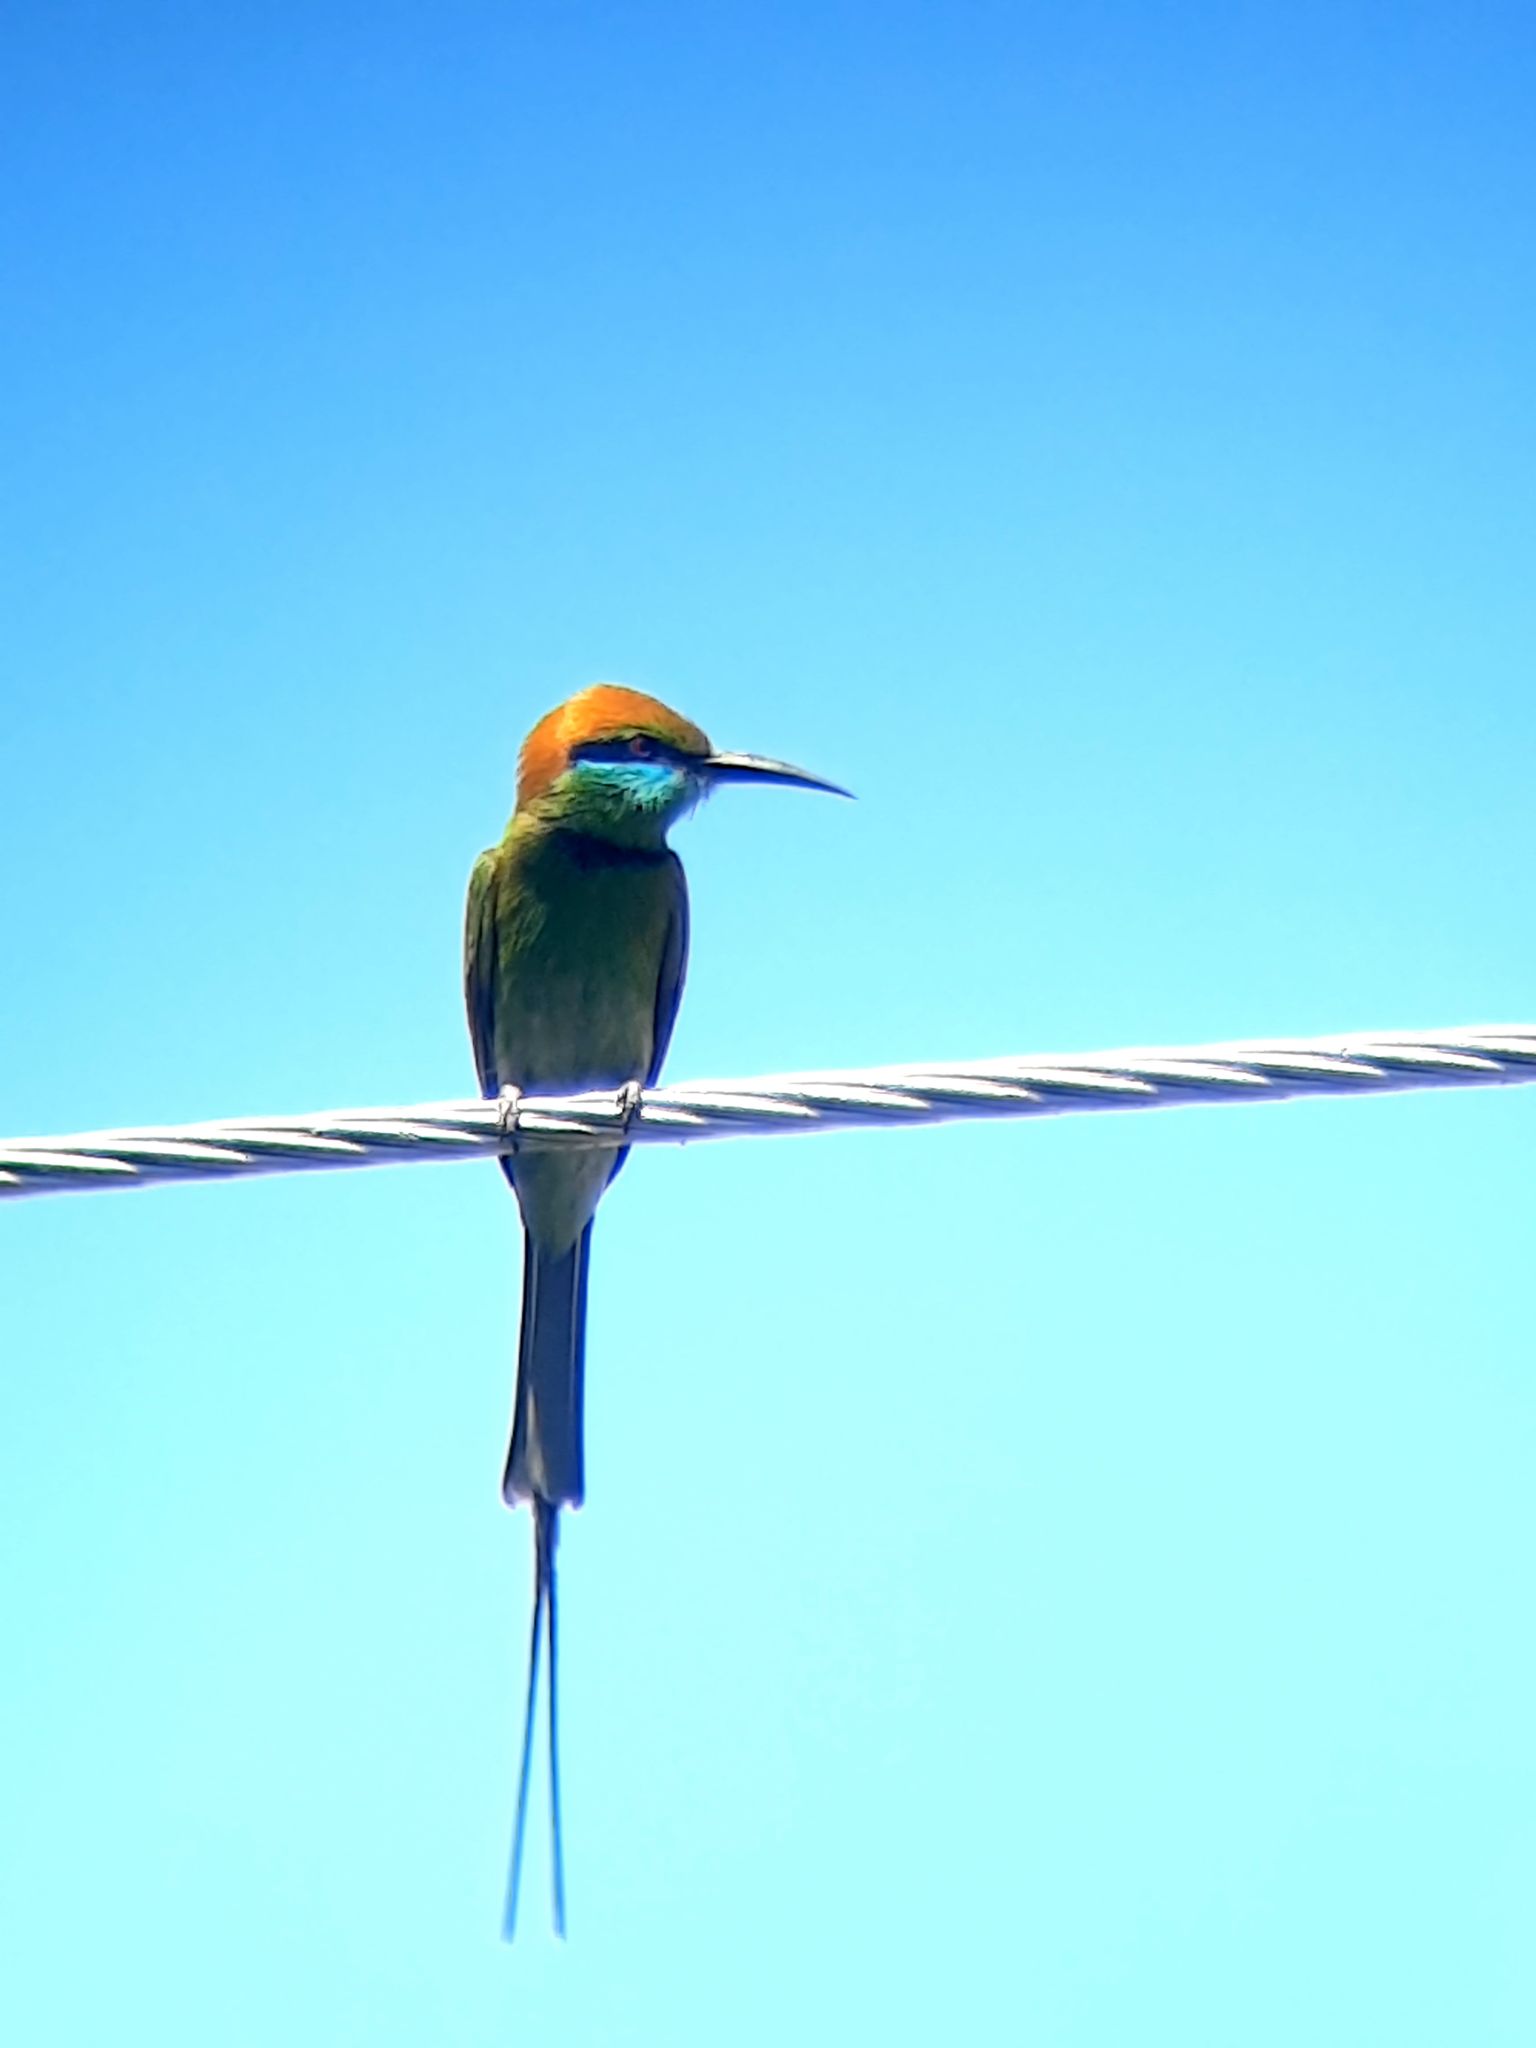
x: 619, y: 765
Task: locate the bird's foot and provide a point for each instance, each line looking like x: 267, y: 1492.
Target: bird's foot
x: 508, y: 1103
x: 631, y: 1096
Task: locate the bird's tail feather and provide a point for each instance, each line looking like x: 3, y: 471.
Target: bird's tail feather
x: 544, y: 1466
x: 544, y: 1460
x: 545, y: 1530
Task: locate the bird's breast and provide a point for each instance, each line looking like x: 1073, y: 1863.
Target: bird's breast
x: 578, y: 963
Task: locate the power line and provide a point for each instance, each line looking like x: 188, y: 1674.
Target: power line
x: 1028, y: 1085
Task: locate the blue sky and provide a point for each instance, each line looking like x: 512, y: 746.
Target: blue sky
x: 1067, y: 1582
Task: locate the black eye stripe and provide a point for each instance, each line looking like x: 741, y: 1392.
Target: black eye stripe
x: 625, y: 750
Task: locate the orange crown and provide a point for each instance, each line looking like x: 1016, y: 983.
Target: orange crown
x: 605, y: 711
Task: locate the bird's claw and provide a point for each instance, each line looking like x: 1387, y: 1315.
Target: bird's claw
x: 508, y: 1104
x: 631, y: 1096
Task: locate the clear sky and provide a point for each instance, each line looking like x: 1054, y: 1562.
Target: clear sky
x: 1066, y: 1583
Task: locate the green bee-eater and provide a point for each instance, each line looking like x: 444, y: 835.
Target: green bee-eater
x: 575, y: 946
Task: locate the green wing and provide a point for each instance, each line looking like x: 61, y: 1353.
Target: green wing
x: 674, y: 965
x: 669, y: 984
x: 480, y: 969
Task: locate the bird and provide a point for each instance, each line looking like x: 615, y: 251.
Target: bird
x: 575, y: 949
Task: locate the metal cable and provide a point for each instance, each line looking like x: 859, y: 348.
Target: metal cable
x: 1035, y: 1084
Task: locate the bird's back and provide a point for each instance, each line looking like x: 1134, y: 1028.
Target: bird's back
x: 574, y: 959
x: 580, y: 933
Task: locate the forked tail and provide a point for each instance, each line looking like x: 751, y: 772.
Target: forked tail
x: 544, y: 1466
x: 546, y: 1516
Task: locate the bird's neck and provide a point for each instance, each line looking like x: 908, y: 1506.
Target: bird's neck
x: 623, y: 803
x: 620, y: 827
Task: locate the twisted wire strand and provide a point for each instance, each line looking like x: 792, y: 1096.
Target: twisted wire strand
x: 1030, y: 1085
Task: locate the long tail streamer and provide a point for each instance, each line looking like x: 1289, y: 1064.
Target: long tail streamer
x: 545, y: 1529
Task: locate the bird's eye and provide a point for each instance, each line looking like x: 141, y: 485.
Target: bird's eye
x: 642, y: 748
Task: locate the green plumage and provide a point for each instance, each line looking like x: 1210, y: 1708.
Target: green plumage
x: 575, y: 950
x: 575, y: 947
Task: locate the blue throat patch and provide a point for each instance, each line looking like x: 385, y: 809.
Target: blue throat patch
x: 645, y: 786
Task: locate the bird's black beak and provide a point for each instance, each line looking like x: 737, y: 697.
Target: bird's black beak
x: 756, y: 768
